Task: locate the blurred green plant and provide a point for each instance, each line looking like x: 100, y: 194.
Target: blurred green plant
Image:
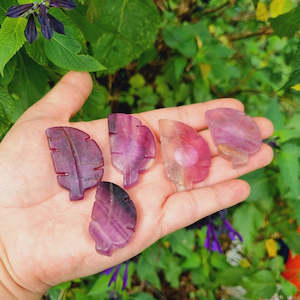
x: 148, y: 54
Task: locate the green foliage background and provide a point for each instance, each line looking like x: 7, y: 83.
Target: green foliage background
x: 146, y: 54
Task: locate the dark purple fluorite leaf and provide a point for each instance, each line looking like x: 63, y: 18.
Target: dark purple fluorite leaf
x: 113, y: 218
x: 77, y: 159
x: 235, y: 134
x: 132, y: 146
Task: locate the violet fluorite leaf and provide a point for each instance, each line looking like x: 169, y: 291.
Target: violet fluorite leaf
x: 113, y: 218
x: 236, y: 135
x: 77, y: 159
x: 132, y: 146
x: 185, y: 154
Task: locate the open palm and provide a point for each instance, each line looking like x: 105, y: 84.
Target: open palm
x: 44, y: 236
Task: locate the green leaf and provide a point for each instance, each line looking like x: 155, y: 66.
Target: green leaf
x: 36, y: 51
x: 287, y: 287
x: 11, y: 39
x: 9, y: 72
x: 63, y: 51
x: 288, y: 162
x: 100, y: 286
x: 182, y: 241
x: 293, y: 241
x: 7, y: 108
x: 96, y: 107
x: 287, y: 24
x: 231, y: 276
x: 294, y: 77
x: 260, y: 285
x: 4, y: 5
x: 126, y: 29
x: 147, y: 271
x: 142, y: 296
x: 275, y: 115
x: 30, y: 82
x: 247, y: 219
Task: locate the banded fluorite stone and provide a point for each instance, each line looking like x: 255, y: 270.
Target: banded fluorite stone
x: 185, y: 153
x: 132, y: 146
x: 235, y: 134
x: 113, y: 218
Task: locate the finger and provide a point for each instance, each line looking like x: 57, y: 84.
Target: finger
x: 65, y: 99
x: 265, y: 127
x: 222, y: 170
x: 184, y: 208
x: 192, y: 115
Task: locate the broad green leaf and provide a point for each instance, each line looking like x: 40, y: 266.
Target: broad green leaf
x: 7, y: 108
x: 288, y: 161
x: 231, y: 276
x: 63, y: 51
x: 30, y: 82
x: 4, y: 5
x: 100, y: 286
x: 182, y: 241
x: 260, y: 285
x: 287, y: 287
x: 36, y: 51
x: 294, y: 77
x: 9, y: 72
x: 287, y: 24
x: 275, y: 115
x: 142, y: 296
x: 247, y: 219
x: 126, y: 28
x: 148, y: 272
x: 173, y: 271
x: 11, y: 39
x: 293, y: 241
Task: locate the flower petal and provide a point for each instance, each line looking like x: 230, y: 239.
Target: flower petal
x: 56, y: 25
x: 125, y: 276
x: 114, y: 275
x: 68, y: 4
x: 19, y: 10
x: 44, y: 20
x: 30, y: 30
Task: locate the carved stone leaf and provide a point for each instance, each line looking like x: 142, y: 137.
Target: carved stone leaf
x: 185, y: 154
x: 113, y: 218
x: 77, y: 159
x: 132, y: 146
x: 235, y: 134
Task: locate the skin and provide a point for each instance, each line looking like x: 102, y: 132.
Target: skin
x: 44, y: 238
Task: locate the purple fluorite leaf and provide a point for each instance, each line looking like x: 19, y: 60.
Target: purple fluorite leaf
x: 132, y: 146
x: 185, y: 154
x: 236, y: 135
x: 113, y: 218
x: 77, y: 159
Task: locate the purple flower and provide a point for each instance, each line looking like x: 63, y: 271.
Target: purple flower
x: 114, y: 276
x: 215, y: 229
x: 68, y: 4
x: 44, y: 20
x: 231, y: 231
x: 49, y: 24
x: 19, y: 10
x: 30, y: 30
x: 211, y: 242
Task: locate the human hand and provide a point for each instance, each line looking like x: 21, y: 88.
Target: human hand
x: 44, y: 238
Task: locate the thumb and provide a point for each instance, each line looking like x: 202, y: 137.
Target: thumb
x: 65, y: 99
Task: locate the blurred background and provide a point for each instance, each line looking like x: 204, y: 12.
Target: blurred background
x: 146, y: 54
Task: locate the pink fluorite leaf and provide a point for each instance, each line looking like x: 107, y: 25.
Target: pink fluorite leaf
x: 77, y: 159
x: 132, y: 146
x: 236, y: 135
x: 113, y: 218
x: 185, y: 154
